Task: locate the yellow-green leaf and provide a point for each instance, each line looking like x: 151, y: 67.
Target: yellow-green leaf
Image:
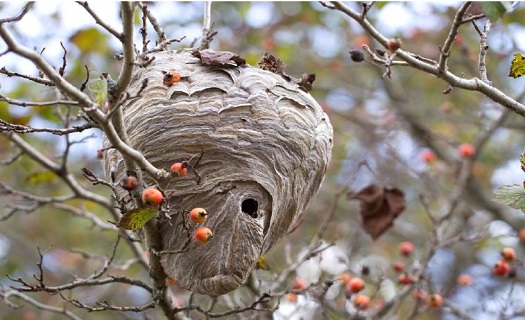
x: 517, y: 67
x: 91, y: 40
x: 262, y: 263
x: 522, y: 160
x: 43, y: 176
x: 136, y: 218
x: 99, y: 90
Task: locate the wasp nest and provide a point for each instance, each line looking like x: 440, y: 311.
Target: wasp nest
x: 263, y: 143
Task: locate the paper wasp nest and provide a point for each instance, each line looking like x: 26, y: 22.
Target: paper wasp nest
x: 265, y: 145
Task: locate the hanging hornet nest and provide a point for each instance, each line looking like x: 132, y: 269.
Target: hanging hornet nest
x: 262, y: 145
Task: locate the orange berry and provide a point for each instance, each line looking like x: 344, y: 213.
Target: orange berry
x: 362, y: 302
x: 466, y: 150
x: 435, y: 300
x: 521, y: 235
x: 100, y: 153
x: 198, y: 215
x: 345, y: 277
x: 428, y: 156
x: 299, y: 284
x: 152, y: 197
x: 508, y: 254
x: 292, y: 297
x: 170, y: 281
x: 398, y: 266
x: 405, y: 279
x: 464, y: 280
x: 181, y: 168
x: 419, y: 294
x: 501, y: 268
x: 170, y: 78
x: 130, y: 183
x: 406, y: 248
x: 355, y: 285
x: 203, y: 235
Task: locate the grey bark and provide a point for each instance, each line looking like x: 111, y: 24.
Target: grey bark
x: 266, y: 147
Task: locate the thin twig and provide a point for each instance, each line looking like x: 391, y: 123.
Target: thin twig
x: 445, y: 49
x: 101, y: 22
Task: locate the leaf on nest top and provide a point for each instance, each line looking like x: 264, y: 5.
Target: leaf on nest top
x: 218, y: 58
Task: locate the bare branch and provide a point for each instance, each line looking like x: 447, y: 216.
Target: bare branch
x: 45, y: 82
x: 19, y: 17
x: 445, y: 49
x: 474, y: 84
x: 101, y: 22
x: 156, y: 27
x: 37, y: 104
x: 6, y: 294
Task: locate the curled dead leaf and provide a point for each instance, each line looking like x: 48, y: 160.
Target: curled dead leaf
x: 379, y: 206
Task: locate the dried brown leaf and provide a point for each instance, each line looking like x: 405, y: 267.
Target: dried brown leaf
x: 218, y: 58
x: 379, y: 206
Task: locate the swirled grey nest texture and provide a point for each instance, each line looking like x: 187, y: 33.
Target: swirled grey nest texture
x: 266, y: 146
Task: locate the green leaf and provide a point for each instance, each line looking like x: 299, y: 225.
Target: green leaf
x: 99, y: 90
x: 517, y: 66
x: 39, y: 177
x: 494, y: 10
x: 513, y: 196
x: 136, y: 218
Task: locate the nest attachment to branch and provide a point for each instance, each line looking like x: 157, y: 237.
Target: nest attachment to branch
x: 265, y: 144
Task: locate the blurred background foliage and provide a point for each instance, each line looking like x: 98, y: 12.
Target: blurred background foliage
x: 374, y: 120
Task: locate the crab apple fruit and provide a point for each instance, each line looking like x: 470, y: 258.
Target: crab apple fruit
x: 398, y: 266
x: 362, y: 302
x: 152, y: 197
x: 406, y: 248
x: 100, y: 153
x: 357, y: 55
x: 466, y: 150
x: 292, y: 297
x: 435, y: 300
x: 428, y: 156
x: 394, y: 44
x: 299, y: 284
x: 508, y: 254
x: 130, y: 183
x: 170, y: 78
x: 501, y: 268
x: 355, y: 285
x: 198, y: 215
x: 203, y: 235
x: 464, y: 280
x: 419, y: 294
x: 405, y: 279
x: 345, y: 277
x: 180, y: 167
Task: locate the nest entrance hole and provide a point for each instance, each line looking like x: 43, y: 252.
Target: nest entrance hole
x: 250, y: 207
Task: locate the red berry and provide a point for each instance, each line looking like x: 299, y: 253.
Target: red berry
x: 355, y: 285
x: 428, y: 156
x: 181, y: 168
x: 508, y: 254
x: 501, y: 268
x: 435, y: 300
x: 362, y: 302
x: 398, y: 266
x: 130, y: 183
x: 152, y: 197
x: 466, y: 150
x: 198, y: 215
x: 394, y: 44
x: 420, y: 294
x: 405, y: 279
x: 406, y: 248
x: 100, y: 153
x: 464, y: 280
x: 299, y: 284
x: 203, y: 235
